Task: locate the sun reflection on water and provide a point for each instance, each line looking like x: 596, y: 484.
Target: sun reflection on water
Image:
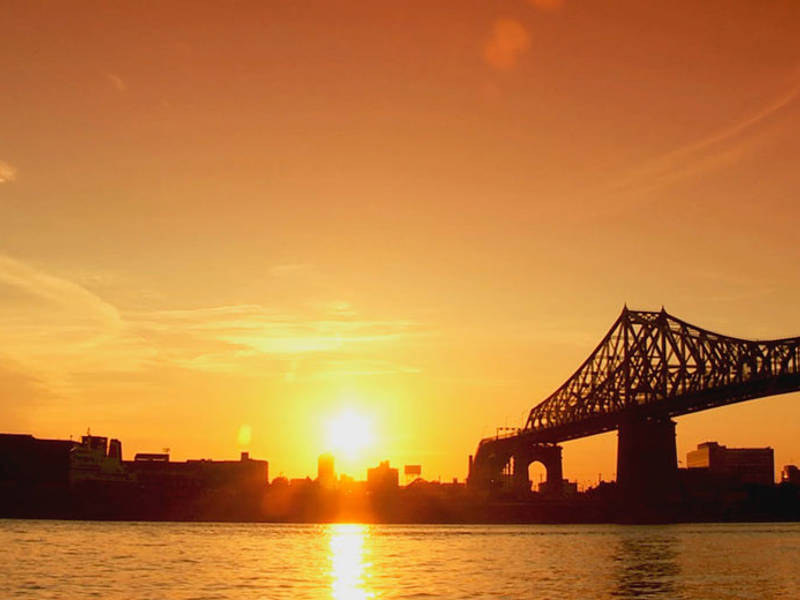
x: 348, y: 567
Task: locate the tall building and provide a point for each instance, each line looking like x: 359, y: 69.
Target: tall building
x: 744, y: 465
x: 326, y: 477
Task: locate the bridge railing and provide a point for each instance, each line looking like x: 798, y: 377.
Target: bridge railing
x: 502, y: 433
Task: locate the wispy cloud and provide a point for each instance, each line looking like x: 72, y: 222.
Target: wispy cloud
x: 56, y: 291
x: 52, y: 325
x: 508, y: 40
x: 270, y: 331
x: 16, y: 383
x: 58, y: 328
x: 116, y: 82
x: 7, y: 172
x: 722, y: 147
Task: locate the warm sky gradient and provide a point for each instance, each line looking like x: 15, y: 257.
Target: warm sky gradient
x: 228, y: 214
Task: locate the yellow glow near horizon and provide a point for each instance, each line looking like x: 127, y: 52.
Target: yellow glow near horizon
x: 349, y: 432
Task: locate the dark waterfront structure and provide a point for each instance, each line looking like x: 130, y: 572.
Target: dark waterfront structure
x: 648, y: 368
x: 90, y: 479
x: 34, y: 475
x: 23, y: 458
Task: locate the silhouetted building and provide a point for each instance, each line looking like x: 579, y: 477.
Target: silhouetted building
x: 25, y: 459
x: 348, y: 485
x: 151, y: 457
x: 412, y: 472
x: 326, y: 477
x: 243, y: 475
x: 382, y: 478
x: 281, y: 481
x: 790, y: 474
x: 567, y: 488
x: 742, y: 465
x: 435, y: 487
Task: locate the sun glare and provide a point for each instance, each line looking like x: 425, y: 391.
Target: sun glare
x: 349, y: 432
x: 347, y: 562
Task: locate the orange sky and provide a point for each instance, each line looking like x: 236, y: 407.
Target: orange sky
x: 216, y: 215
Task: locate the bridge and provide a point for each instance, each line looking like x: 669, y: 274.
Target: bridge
x: 648, y: 368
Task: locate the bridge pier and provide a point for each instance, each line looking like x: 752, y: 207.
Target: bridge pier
x: 647, y: 468
x: 489, y: 469
x: 547, y: 454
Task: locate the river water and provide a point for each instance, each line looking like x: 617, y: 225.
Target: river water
x: 77, y: 559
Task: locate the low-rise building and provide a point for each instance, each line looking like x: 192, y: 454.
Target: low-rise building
x: 382, y: 478
x: 790, y: 474
x: 25, y: 459
x: 740, y: 465
x: 245, y: 474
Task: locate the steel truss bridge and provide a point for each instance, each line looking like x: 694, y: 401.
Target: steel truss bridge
x: 648, y: 368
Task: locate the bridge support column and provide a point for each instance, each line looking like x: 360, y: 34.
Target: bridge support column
x: 522, y: 482
x: 647, y: 469
x: 554, y: 484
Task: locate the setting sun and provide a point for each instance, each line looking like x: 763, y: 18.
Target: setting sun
x: 349, y: 432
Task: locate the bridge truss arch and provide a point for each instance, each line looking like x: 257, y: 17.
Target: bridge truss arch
x: 657, y: 365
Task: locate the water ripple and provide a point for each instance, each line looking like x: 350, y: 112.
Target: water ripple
x: 211, y: 561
